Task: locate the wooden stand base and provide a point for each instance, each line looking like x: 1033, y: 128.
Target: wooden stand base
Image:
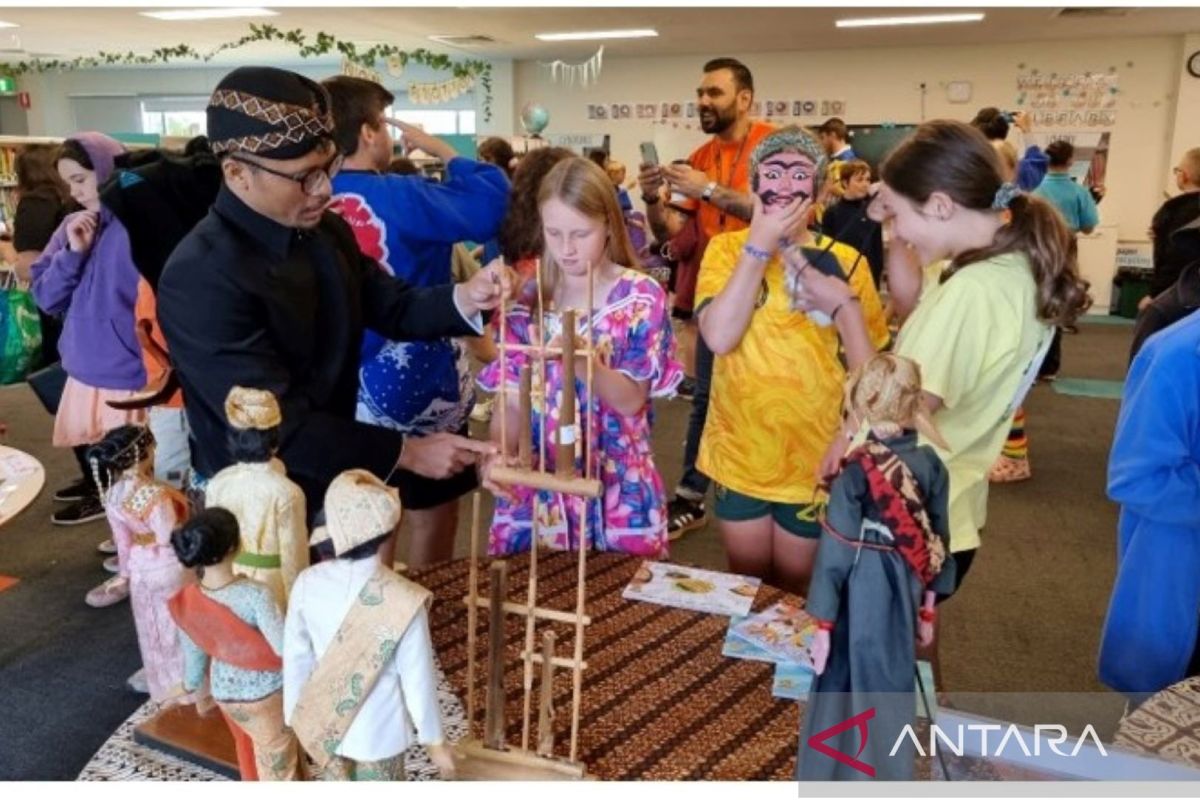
x: 183, y: 733
x: 475, y: 762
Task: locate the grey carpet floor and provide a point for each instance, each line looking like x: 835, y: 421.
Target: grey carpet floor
x: 1018, y: 642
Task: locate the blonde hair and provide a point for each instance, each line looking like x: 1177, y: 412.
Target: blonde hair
x: 615, y: 170
x: 885, y: 392
x: 581, y: 185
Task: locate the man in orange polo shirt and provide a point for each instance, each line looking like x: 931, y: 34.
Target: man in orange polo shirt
x: 718, y: 175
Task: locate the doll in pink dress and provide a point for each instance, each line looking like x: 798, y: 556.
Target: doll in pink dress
x: 142, y: 513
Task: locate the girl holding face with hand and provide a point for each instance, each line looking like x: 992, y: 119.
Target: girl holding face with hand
x: 777, y: 377
x: 582, y: 227
x: 997, y: 271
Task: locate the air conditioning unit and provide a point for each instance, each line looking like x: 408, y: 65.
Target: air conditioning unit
x: 468, y: 40
x: 1092, y: 12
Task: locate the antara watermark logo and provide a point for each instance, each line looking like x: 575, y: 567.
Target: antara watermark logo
x: 972, y: 738
x: 1049, y: 735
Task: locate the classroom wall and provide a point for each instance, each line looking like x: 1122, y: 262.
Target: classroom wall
x: 1185, y: 133
x: 109, y: 99
x: 883, y: 85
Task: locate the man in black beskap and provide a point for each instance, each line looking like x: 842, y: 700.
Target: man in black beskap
x: 270, y: 291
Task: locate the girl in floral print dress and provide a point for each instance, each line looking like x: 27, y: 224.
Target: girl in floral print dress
x: 582, y: 224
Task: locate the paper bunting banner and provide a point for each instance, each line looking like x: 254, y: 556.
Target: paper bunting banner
x: 425, y: 94
x: 584, y: 74
x: 355, y: 70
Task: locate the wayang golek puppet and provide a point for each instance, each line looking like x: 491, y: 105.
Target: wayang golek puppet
x: 882, y: 560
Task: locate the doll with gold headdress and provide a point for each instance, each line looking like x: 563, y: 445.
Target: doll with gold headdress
x: 270, y: 509
x: 142, y: 513
x: 881, y: 561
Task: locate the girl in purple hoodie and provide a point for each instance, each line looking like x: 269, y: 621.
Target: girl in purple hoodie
x: 86, y: 275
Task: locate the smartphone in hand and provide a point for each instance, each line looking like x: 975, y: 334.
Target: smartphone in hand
x: 649, y: 153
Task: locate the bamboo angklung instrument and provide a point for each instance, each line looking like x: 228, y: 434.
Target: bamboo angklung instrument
x: 493, y: 722
x: 568, y: 430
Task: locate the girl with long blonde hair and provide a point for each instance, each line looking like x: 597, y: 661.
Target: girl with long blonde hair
x: 585, y: 238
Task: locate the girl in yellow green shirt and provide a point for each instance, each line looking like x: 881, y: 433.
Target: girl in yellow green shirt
x: 979, y: 323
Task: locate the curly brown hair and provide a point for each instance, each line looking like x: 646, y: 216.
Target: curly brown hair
x: 520, y: 233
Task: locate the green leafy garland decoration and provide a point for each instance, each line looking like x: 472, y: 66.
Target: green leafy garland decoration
x: 321, y: 45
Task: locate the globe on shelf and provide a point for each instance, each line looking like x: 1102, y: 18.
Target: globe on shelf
x: 534, y: 118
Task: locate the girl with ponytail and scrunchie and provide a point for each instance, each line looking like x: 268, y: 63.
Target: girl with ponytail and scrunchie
x: 235, y: 625
x: 981, y: 273
x: 142, y: 513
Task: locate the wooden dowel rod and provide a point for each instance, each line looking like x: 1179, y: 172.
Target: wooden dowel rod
x: 472, y: 611
x: 541, y: 613
x: 531, y: 601
x: 559, y: 661
x: 502, y: 386
x: 580, y: 606
x: 552, y: 351
x: 494, y: 716
x: 524, y: 437
x: 591, y: 360
x: 578, y: 487
x: 546, y: 701
x: 544, y: 398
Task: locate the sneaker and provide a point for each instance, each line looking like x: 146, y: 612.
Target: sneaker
x: 482, y: 412
x: 112, y: 565
x: 684, y: 515
x: 686, y: 389
x: 1010, y: 470
x: 86, y: 510
x: 111, y: 592
x: 138, y: 683
x: 108, y: 547
x: 75, y: 492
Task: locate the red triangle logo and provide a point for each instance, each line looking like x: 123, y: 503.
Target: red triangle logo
x: 859, y: 721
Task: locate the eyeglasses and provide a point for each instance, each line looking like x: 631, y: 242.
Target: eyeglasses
x: 309, y: 179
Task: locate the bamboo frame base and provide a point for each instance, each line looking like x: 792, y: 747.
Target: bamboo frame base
x: 577, y: 487
x: 474, y: 762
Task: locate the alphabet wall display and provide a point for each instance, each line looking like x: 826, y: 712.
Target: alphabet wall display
x: 814, y: 109
x: 1076, y: 99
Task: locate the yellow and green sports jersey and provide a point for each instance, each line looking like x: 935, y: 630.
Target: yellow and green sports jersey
x: 975, y: 337
x: 776, y: 398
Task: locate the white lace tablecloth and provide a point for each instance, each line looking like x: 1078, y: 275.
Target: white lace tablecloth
x: 122, y: 759
x: 21, y: 478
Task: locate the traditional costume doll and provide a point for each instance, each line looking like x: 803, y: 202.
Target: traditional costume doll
x: 236, y: 625
x: 358, y: 658
x: 882, y: 557
x: 142, y: 512
x: 270, y: 509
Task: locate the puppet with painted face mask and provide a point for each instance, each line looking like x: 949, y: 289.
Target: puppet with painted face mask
x: 883, y: 557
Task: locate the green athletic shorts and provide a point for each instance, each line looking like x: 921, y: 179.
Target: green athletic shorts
x: 798, y: 519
